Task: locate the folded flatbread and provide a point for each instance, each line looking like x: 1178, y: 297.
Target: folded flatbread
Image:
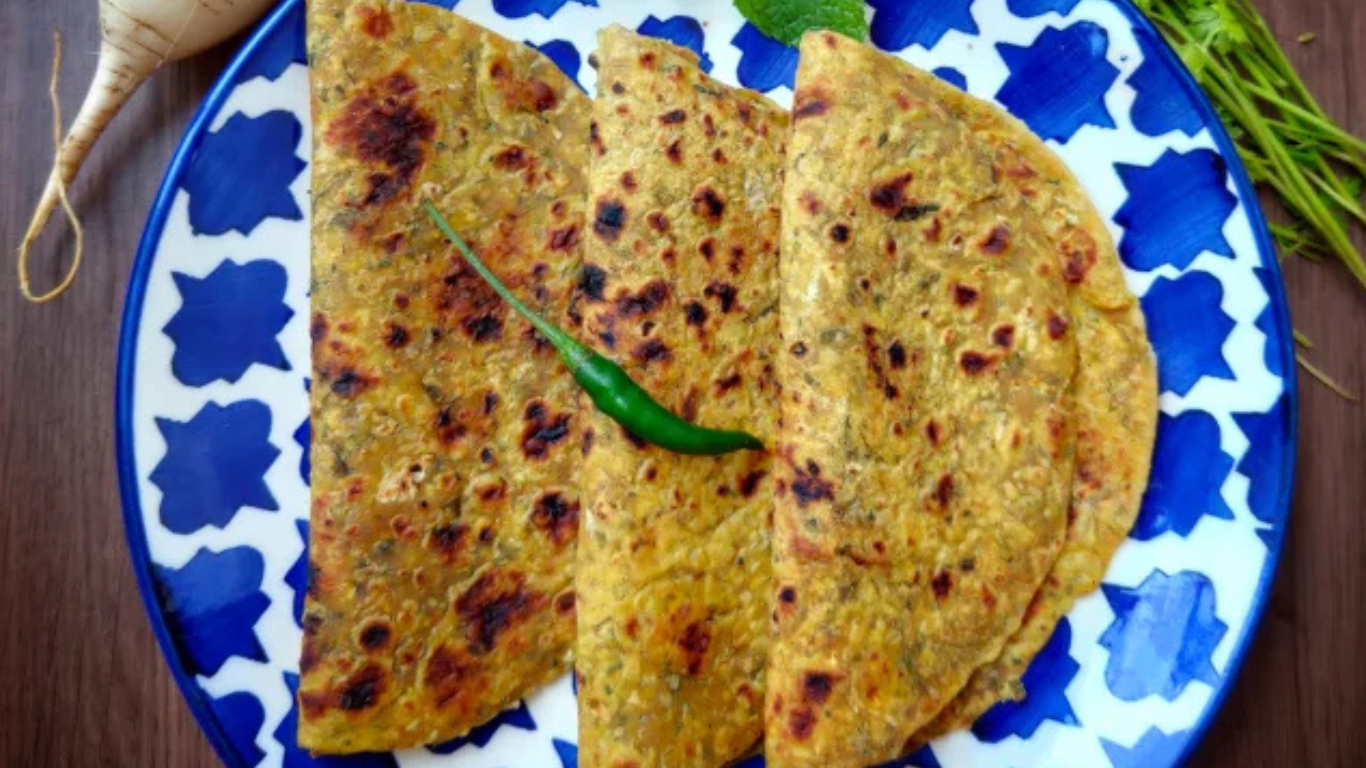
x: 926, y: 450
x: 446, y: 440
x: 1114, y: 393
x: 679, y: 287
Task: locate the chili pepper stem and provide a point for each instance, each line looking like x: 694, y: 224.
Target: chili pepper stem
x: 609, y: 387
x: 571, y: 351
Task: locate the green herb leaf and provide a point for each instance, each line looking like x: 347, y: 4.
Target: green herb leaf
x: 786, y: 20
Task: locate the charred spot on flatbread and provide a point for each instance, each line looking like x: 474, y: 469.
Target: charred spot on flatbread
x: 996, y: 240
x: 403, y: 337
x: 651, y: 351
x: 608, y: 219
x: 708, y: 204
x: 1057, y: 326
x: 642, y: 302
x: 385, y: 127
x: 376, y: 21
x: 1003, y: 335
x: 463, y: 299
x: 723, y: 293
x: 542, y: 430
x: 359, y: 691
x: 809, y: 102
x: 694, y: 642
x: 446, y: 540
x: 809, y: 486
x: 557, y: 516
x: 496, y: 603
x: 563, y: 238
x: 975, y: 363
x: 817, y: 686
x: 375, y: 635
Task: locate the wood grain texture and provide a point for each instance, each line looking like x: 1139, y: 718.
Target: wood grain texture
x: 85, y: 684
x: 83, y: 681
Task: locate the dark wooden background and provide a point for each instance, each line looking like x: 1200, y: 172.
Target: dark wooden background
x: 82, y: 682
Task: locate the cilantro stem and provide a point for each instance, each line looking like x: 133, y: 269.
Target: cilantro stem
x: 569, y: 348
x: 1292, y: 239
x: 1332, y: 187
x: 1325, y: 379
x: 1327, y: 130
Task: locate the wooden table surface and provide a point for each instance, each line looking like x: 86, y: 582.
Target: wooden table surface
x: 82, y: 682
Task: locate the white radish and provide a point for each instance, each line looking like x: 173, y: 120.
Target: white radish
x: 137, y: 36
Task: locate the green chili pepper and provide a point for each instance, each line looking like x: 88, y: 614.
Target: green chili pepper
x: 609, y: 387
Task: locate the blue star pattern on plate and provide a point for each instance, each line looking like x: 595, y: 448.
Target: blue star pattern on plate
x: 215, y: 464
x: 684, y: 31
x: 1188, y: 470
x: 211, y: 605
x: 278, y: 51
x: 303, y: 437
x: 517, y: 9
x: 765, y: 63
x: 241, y: 713
x: 1187, y: 330
x: 227, y: 194
x: 568, y: 753
x: 1058, y: 83
x: 952, y: 77
x: 565, y: 56
x: 1161, y: 103
x: 1045, y: 683
x: 1266, y: 323
x: 297, y: 575
x: 1268, y: 536
x: 1176, y: 209
x: 1162, y: 637
x: 1262, y: 463
x: 517, y: 717
x: 1267, y: 450
x: 1155, y: 748
x: 295, y: 757
x: 898, y: 24
x: 228, y: 321
x: 1030, y: 8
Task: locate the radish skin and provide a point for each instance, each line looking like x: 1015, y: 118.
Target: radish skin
x: 137, y: 37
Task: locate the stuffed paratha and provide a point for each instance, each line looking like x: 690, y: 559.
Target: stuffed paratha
x: 445, y: 432
x: 1114, y: 392
x: 926, y: 452
x: 679, y: 287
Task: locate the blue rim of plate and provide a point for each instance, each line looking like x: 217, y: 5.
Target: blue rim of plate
x: 127, y: 367
x: 1281, y: 306
x: 161, y: 205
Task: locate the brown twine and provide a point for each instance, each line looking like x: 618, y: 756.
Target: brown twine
x: 36, y: 227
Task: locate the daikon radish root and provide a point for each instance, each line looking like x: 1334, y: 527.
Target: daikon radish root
x: 137, y: 37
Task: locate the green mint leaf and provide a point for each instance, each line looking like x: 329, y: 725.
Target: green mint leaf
x: 786, y: 20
